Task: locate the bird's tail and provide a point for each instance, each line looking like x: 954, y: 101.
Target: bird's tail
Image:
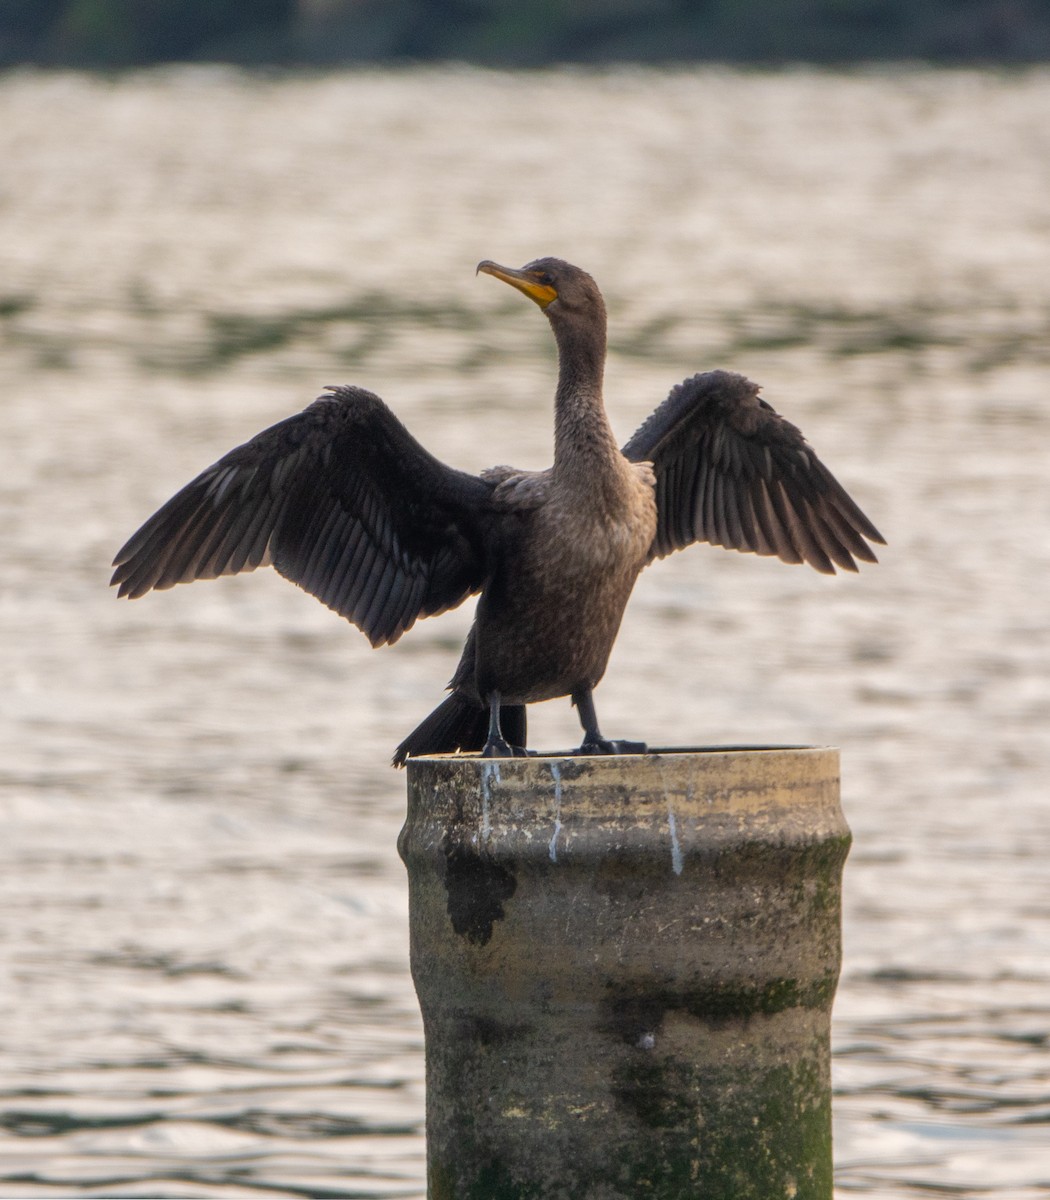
x: 459, y: 724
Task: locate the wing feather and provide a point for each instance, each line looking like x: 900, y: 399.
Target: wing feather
x: 252, y: 547
x: 851, y: 540
x: 693, y: 504
x: 230, y: 530
x: 786, y: 518
x: 830, y: 542
x: 773, y: 527
x: 321, y: 535
x: 381, y: 582
x: 735, y: 535
x: 753, y: 500
x: 681, y: 517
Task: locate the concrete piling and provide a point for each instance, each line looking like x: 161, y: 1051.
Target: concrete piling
x: 626, y: 968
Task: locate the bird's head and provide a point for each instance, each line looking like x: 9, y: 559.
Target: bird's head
x: 563, y: 291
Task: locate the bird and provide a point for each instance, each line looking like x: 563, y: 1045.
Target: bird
x: 343, y: 501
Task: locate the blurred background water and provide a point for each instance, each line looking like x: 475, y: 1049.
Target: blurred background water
x: 202, y: 914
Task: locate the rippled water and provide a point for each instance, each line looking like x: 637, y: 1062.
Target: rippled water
x: 202, y: 915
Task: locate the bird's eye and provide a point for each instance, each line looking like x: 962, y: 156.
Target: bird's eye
x: 544, y: 277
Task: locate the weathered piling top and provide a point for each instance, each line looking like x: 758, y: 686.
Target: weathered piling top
x: 692, y: 792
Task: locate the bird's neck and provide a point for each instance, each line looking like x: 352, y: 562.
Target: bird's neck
x: 581, y: 428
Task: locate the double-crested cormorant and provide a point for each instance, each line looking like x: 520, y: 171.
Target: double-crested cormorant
x: 343, y: 501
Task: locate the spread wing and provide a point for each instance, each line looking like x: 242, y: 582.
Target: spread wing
x: 340, y: 499
x: 731, y: 471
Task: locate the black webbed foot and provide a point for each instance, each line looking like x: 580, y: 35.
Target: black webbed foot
x: 501, y: 748
x: 497, y: 745
x: 605, y: 746
x: 593, y: 742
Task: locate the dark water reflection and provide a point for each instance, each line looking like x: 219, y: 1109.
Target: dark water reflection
x: 203, y: 938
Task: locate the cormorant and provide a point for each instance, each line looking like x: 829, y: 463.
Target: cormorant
x: 344, y: 502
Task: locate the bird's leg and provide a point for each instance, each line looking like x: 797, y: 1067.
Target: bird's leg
x: 497, y: 745
x: 593, y: 742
